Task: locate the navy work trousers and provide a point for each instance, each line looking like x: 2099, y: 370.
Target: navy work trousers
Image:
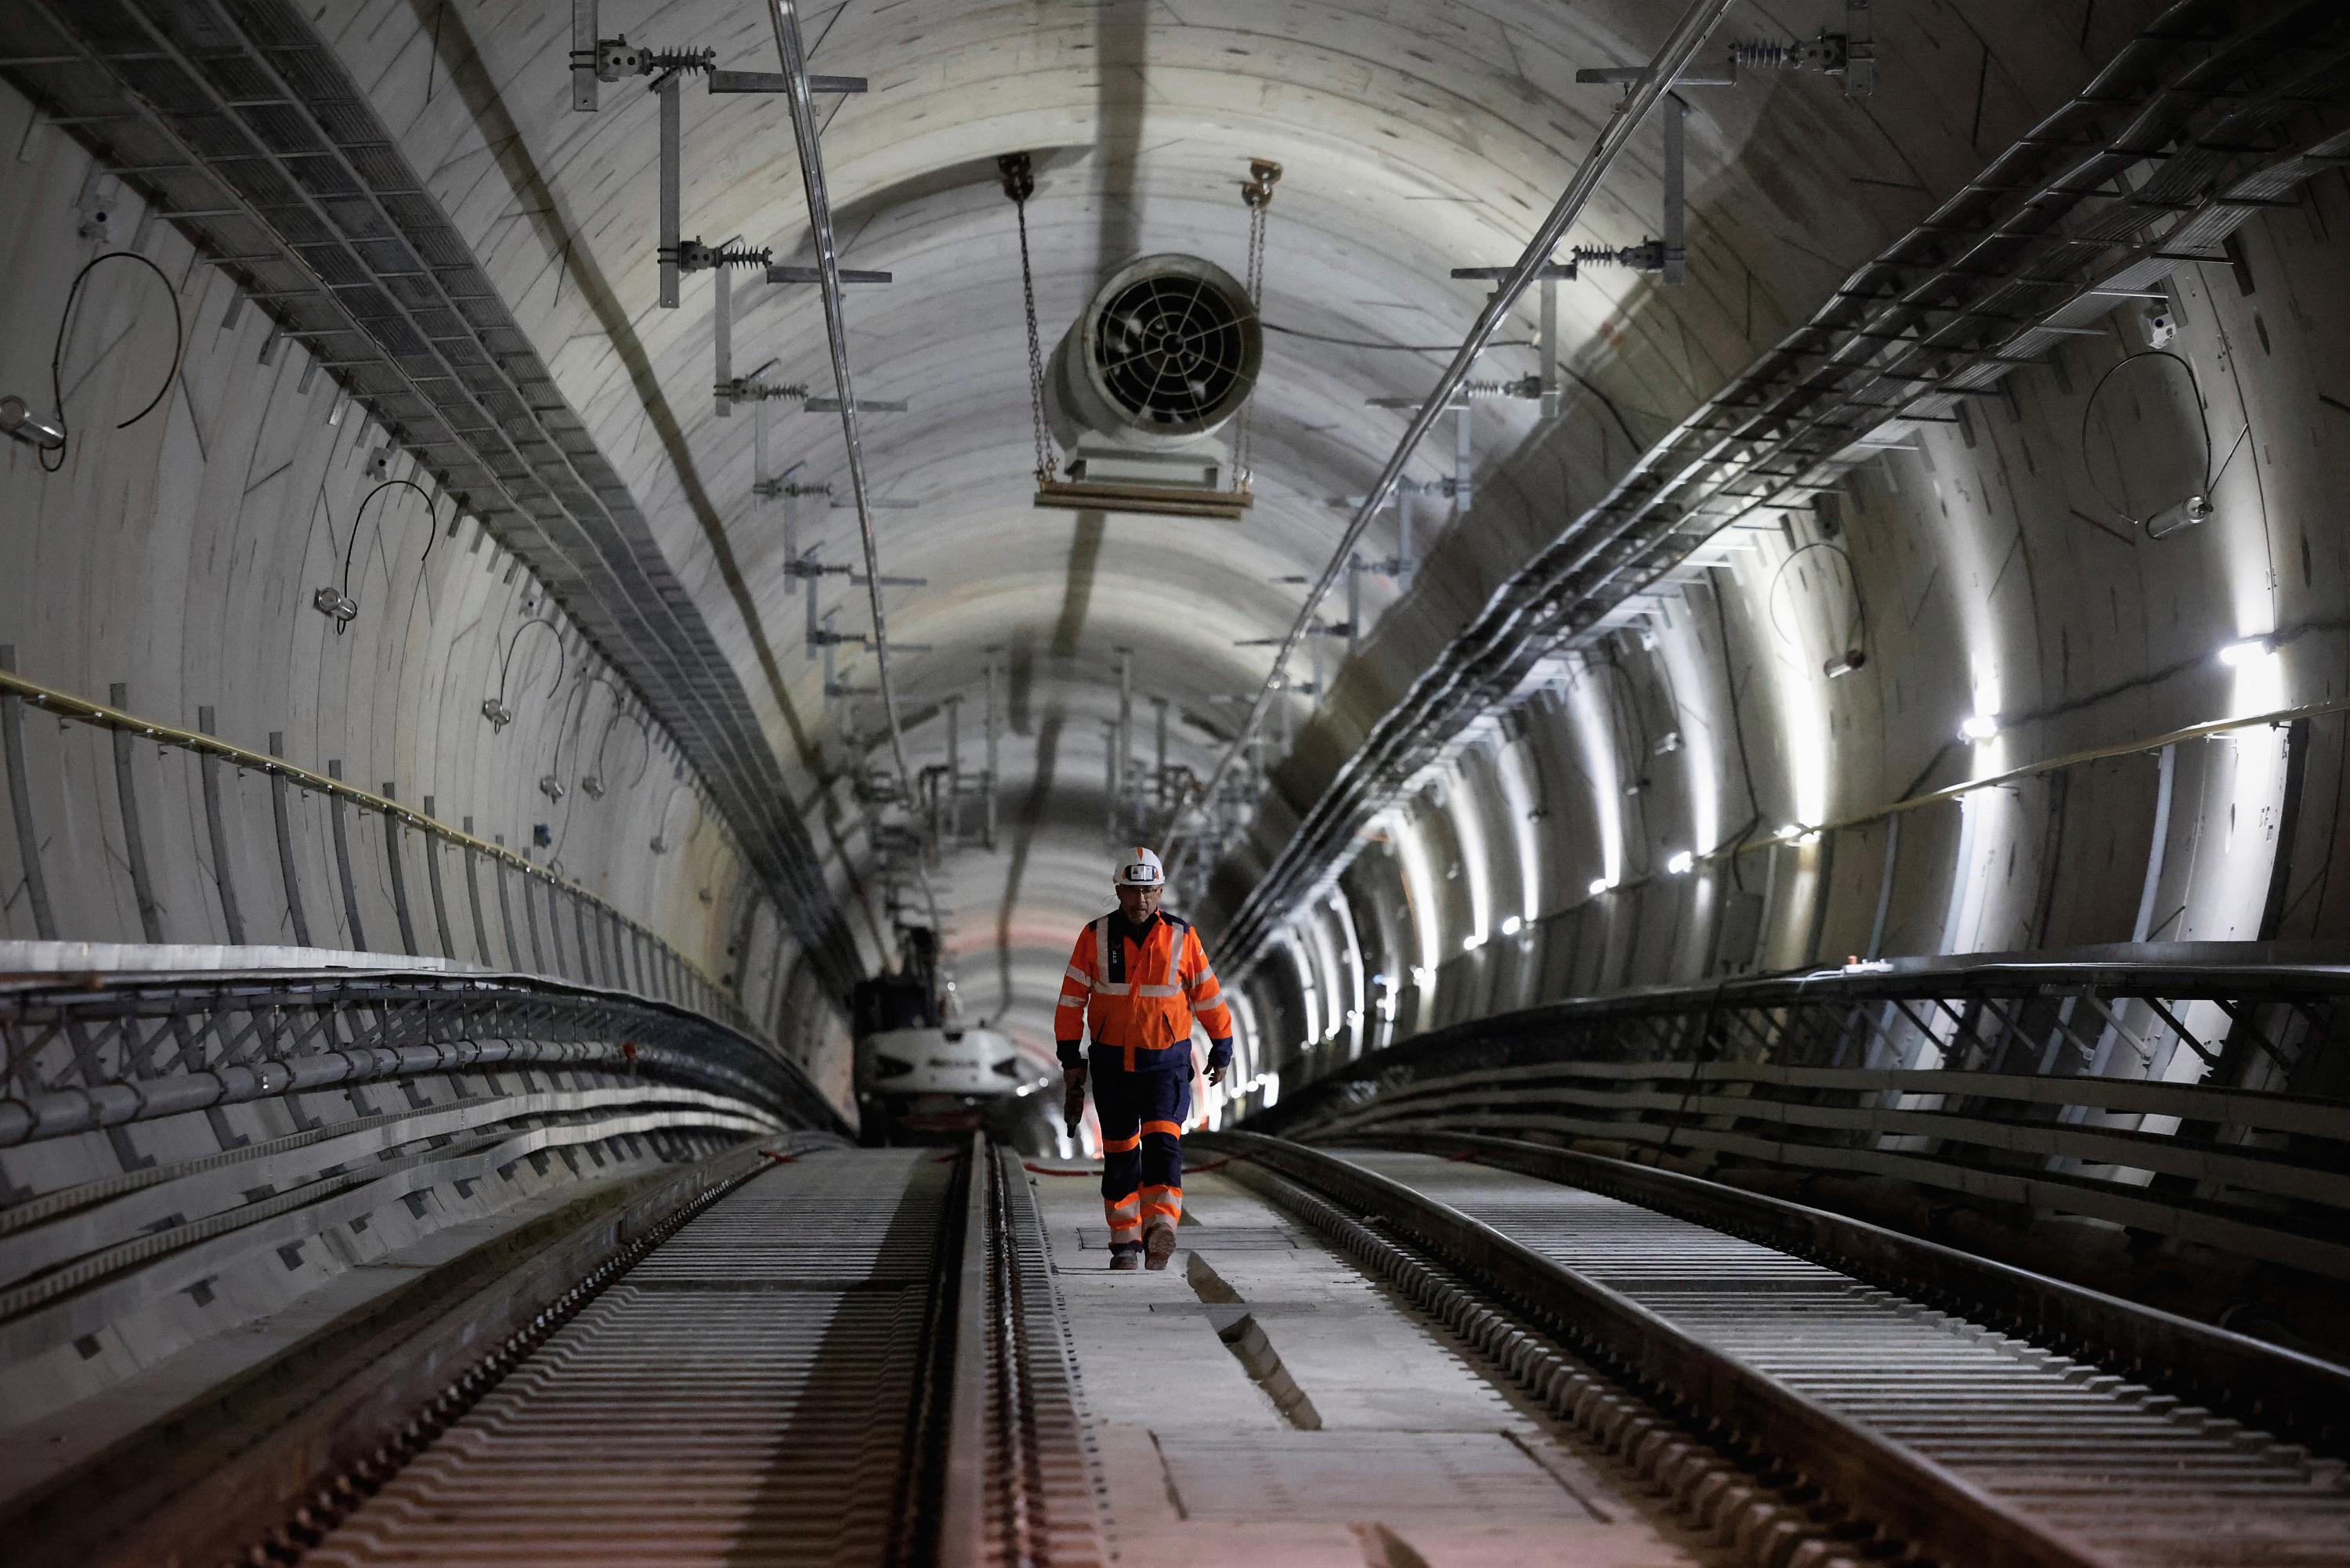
x: 1142, y: 1117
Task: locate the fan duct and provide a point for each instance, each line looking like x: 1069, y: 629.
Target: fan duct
x: 1165, y: 354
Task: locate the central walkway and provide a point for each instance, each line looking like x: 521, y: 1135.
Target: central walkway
x: 1264, y: 1401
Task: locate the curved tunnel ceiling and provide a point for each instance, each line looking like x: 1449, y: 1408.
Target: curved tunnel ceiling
x: 1414, y: 139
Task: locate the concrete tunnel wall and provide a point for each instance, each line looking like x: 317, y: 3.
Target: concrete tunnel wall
x: 177, y: 559
x: 1983, y: 556
x: 2001, y: 574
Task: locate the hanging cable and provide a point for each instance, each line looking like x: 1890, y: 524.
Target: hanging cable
x: 1019, y: 177
x: 432, y: 528
x: 495, y: 708
x: 2196, y: 506
x: 1854, y: 635
x: 1738, y: 729
x: 582, y: 690
x: 619, y: 711
x: 57, y: 348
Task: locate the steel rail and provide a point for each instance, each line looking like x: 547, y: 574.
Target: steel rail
x: 963, y: 1512
x: 98, y: 715
x: 1686, y: 37
x: 1885, y: 1482
x: 794, y: 55
x: 2262, y: 1382
x: 811, y: 1297
x: 204, y: 1486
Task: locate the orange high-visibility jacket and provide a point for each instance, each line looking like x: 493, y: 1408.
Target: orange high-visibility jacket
x: 1140, y: 999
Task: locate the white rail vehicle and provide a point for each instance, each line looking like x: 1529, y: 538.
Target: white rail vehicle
x: 921, y: 1082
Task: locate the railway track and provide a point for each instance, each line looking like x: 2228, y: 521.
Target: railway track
x: 862, y: 1356
x: 847, y: 1357
x: 1813, y: 1415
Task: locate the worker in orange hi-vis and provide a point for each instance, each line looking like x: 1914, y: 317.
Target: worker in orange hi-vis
x: 1139, y: 978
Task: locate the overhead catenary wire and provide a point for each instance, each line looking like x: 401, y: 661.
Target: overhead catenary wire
x: 1391, y: 347
x: 792, y: 53
x: 1679, y: 48
x: 57, y: 348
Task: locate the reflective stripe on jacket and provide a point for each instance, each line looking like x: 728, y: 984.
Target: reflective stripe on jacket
x: 1140, y: 1001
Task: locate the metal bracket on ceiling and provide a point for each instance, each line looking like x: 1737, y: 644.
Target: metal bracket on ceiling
x: 751, y: 388
x: 595, y: 58
x: 1545, y: 381
x: 1851, y: 55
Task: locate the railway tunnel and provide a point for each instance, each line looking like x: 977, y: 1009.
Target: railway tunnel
x: 1730, y: 619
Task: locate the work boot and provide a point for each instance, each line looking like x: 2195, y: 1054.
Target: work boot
x: 1160, y: 1245
x: 1125, y: 1260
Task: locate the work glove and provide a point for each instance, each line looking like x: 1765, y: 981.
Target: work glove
x: 1073, y: 1098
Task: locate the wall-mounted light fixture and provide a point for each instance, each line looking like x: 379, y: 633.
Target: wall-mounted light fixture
x: 2250, y: 650
x: 1978, y: 727
x: 336, y: 605
x: 1683, y: 863
x: 1512, y: 925
x: 1473, y: 941
x: 497, y: 713
x: 551, y: 787
x: 17, y: 419
x: 592, y: 786
x: 1845, y: 663
x: 1601, y: 884
x: 1669, y: 743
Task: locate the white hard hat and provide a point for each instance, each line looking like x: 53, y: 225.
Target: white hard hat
x: 1140, y: 868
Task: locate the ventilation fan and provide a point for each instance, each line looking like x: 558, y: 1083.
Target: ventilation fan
x: 1165, y: 354
x: 1170, y: 351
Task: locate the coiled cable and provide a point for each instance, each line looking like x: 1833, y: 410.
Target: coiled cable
x: 57, y: 349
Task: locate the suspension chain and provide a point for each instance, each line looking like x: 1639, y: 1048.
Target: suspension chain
x: 1020, y: 183
x: 1263, y: 174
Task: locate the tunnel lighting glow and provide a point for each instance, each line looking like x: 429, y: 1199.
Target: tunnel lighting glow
x: 1600, y: 884
x: 2250, y: 651
x: 1420, y: 974
x: 1681, y: 863
x: 1792, y: 831
x: 1844, y: 664
x: 1511, y: 925
x: 1473, y: 941
x: 1669, y: 743
x: 1978, y: 727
